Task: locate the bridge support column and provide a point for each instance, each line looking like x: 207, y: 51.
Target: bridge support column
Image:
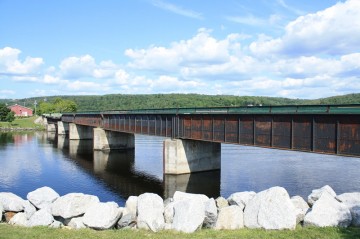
x: 63, y: 128
x: 80, y: 131
x: 108, y: 140
x: 51, y: 128
x: 187, y: 156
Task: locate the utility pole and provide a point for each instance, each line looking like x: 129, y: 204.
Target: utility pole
x: 35, y: 103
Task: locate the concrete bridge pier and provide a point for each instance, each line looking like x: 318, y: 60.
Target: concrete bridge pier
x: 63, y: 128
x: 77, y: 132
x: 110, y: 140
x: 51, y: 128
x: 188, y: 156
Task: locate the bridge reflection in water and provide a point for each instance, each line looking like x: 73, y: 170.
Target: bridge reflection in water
x: 117, y: 169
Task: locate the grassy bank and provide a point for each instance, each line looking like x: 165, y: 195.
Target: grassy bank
x: 22, y: 123
x: 9, y: 232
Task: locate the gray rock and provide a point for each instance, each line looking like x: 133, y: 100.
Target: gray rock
x: 76, y: 223
x: 316, y: 194
x: 328, y: 212
x: 189, y: 215
x: 72, y: 205
x: 349, y: 199
x: 169, y: 212
x: 355, y: 214
x: 221, y: 202
x: 42, y: 197
x: 131, y: 205
x: 150, y: 209
x: 178, y: 196
x: 270, y: 209
x: 210, y: 214
x: 11, y: 202
x: 29, y: 209
x: 301, y: 208
x: 56, y: 224
x: 241, y: 198
x: 41, y: 218
x: 230, y: 218
x: 127, y: 221
x: 19, y: 220
x: 101, y: 216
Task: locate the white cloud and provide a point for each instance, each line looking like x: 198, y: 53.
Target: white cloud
x: 200, y: 50
x: 11, y: 65
x: 85, y: 66
x: 333, y: 31
x: 177, y: 9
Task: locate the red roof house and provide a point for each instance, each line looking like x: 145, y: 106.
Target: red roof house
x: 21, y: 110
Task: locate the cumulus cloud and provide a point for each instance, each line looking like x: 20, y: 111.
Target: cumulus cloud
x: 11, y: 65
x: 86, y: 66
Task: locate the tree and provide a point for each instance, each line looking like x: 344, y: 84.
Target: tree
x: 4, y: 111
x: 10, y: 117
x: 58, y: 105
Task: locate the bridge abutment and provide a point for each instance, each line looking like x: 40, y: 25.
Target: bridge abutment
x: 188, y: 156
x: 77, y: 132
x: 63, y: 128
x: 109, y: 140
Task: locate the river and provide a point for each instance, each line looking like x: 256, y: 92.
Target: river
x: 35, y: 159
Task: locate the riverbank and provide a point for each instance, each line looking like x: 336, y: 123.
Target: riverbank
x: 21, y: 124
x: 13, y: 232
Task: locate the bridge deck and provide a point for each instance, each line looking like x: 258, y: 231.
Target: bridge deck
x: 333, y: 129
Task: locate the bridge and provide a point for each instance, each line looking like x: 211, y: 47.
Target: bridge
x: 195, y: 134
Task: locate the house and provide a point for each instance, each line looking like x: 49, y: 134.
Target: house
x: 21, y: 110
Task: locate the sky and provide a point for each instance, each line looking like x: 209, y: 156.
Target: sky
x: 282, y: 48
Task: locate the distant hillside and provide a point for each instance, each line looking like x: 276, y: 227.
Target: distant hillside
x: 124, y: 102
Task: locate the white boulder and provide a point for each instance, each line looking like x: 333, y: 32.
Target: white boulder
x: 189, y: 215
x: 355, y: 214
x: 328, y: 212
x: 301, y: 208
x: 270, y: 209
x: 178, y: 196
x: 127, y: 221
x: 76, y: 223
x: 11, y: 202
x: 29, y: 209
x: 42, y: 197
x: 221, y: 202
x: 169, y: 212
x: 352, y: 201
x: 72, y: 205
x: 131, y: 205
x: 150, y: 209
x: 102, y: 216
x: 19, y: 220
x: 230, y: 218
x: 316, y: 194
x: 241, y: 198
x: 211, y: 214
x: 41, y: 218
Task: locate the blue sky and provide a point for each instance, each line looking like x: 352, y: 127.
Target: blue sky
x: 285, y: 48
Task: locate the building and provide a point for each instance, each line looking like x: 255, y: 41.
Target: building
x: 21, y: 110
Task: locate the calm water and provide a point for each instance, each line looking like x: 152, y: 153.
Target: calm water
x: 32, y: 160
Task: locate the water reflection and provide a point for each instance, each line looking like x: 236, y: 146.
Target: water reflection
x: 32, y: 160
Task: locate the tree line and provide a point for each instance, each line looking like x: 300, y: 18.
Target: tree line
x: 153, y: 101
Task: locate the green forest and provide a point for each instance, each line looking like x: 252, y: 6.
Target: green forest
x: 155, y: 101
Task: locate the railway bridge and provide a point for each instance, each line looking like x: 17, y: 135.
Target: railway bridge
x: 195, y: 134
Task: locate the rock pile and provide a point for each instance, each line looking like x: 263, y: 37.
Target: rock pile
x: 270, y: 209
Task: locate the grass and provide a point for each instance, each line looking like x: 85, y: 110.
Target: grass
x: 9, y: 232
x: 27, y: 122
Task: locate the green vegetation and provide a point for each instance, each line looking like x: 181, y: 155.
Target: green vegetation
x: 9, y: 232
x: 125, y: 102
x: 6, y: 114
x: 56, y: 105
x: 27, y: 122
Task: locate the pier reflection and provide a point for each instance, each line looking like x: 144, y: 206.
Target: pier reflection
x: 116, y: 169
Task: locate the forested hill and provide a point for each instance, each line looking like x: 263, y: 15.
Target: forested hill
x: 123, y: 102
